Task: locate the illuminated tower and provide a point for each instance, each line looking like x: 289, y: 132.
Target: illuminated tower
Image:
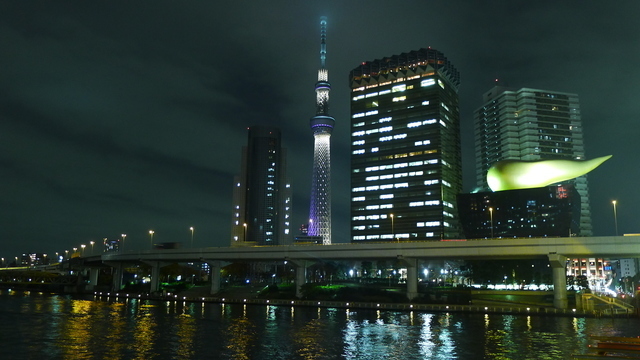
x: 322, y: 126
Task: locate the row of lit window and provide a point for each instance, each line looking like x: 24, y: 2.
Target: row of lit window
x: 400, y: 165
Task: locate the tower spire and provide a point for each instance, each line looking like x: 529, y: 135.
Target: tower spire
x: 322, y: 126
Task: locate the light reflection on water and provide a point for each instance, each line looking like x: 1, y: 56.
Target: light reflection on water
x: 41, y: 326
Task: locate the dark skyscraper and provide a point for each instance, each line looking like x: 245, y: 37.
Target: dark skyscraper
x: 262, y: 194
x: 531, y: 124
x: 405, y: 150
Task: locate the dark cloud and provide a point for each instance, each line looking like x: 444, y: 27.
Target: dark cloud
x: 120, y: 117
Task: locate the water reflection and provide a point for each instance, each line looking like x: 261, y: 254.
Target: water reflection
x: 37, y: 326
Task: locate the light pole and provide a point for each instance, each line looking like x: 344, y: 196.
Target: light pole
x: 615, y: 215
x: 124, y: 237
x: 66, y: 254
x: 151, y: 232
x: 74, y: 251
x: 92, y: 242
x: 491, y: 216
x: 191, y: 228
x: 2, y: 261
x: 57, y: 257
x: 393, y: 232
x: 83, y: 246
x: 245, y: 232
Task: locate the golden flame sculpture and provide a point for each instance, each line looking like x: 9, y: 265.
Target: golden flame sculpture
x: 520, y: 174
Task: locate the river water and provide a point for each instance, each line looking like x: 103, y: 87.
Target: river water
x: 43, y: 326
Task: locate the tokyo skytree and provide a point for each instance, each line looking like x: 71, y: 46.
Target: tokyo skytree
x: 322, y: 126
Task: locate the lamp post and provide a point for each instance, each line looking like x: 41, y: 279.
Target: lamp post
x: 57, y: 257
x: 124, y: 237
x: 615, y: 215
x: 491, y: 216
x: 92, y: 242
x: 66, y: 254
x: 393, y: 229
x: 2, y: 261
x: 83, y: 246
x: 74, y: 251
x: 151, y: 232
x: 245, y: 232
x: 191, y: 228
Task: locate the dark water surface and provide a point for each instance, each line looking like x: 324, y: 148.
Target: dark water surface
x: 40, y: 326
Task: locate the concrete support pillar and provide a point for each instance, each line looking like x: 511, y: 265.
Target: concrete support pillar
x: 155, y: 274
x: 215, y: 266
x: 301, y: 275
x: 117, y: 269
x: 558, y: 266
x: 412, y: 276
x: 93, y: 277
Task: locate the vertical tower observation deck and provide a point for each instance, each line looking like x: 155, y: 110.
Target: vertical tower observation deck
x: 322, y: 126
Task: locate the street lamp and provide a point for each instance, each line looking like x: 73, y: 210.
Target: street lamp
x: 83, y: 246
x: 393, y: 232
x: 491, y: 216
x: 245, y: 232
x: 151, y: 232
x: 66, y: 254
x: 191, y: 228
x: 615, y: 215
x: 74, y: 251
x: 124, y: 237
x: 92, y: 242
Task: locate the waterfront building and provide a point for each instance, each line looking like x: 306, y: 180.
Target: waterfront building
x: 261, y: 194
x: 552, y: 211
x: 322, y: 126
x: 531, y: 124
x: 405, y: 148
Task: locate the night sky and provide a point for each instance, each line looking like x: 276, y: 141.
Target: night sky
x: 124, y: 116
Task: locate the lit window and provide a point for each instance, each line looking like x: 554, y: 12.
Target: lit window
x: 386, y: 196
x: 372, y: 207
x: 385, y: 119
x: 399, y: 136
x: 401, y: 185
x: 442, y: 123
x: 398, y: 88
x: 358, y: 189
x: 431, y: 182
x: 358, y: 124
x: 445, y: 106
x: 386, y: 138
x: 375, y: 149
x: 358, y: 142
x: 386, y: 128
x: 359, y: 151
x: 358, y: 198
x: 356, y: 98
x: 427, y: 82
x: 426, y: 102
x: 372, y: 112
x: 372, y: 94
x: 383, y: 92
x: 399, y: 98
x: 358, y: 133
x: 358, y: 115
x: 440, y: 83
x: 428, y: 122
x: 372, y: 178
x: 386, y: 206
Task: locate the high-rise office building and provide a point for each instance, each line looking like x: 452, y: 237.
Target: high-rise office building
x: 405, y: 148
x: 262, y: 194
x: 322, y: 126
x: 531, y: 124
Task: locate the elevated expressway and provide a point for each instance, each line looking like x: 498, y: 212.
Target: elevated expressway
x: 556, y: 250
